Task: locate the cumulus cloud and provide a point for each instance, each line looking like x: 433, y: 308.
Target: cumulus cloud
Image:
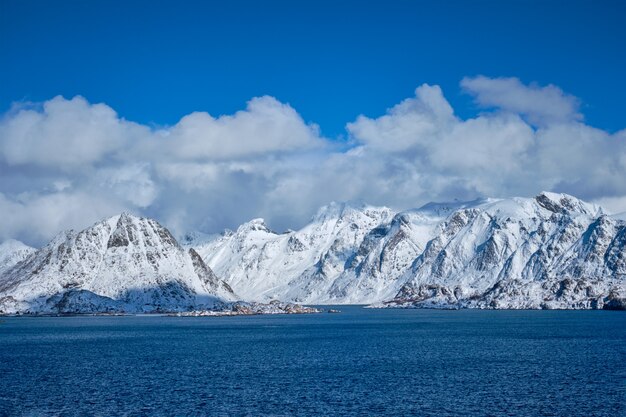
x: 37, y: 217
x: 68, y: 163
x: 531, y: 141
x: 130, y: 183
x: 413, y: 122
x: 266, y: 125
x: 64, y: 134
x: 541, y: 105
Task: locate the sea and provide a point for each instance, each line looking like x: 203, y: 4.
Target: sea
x: 359, y: 362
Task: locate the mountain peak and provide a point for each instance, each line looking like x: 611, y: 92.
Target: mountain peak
x: 12, y: 252
x: 133, y: 262
x: 128, y: 216
x: 336, y: 210
x: 442, y: 209
x: 332, y: 209
x: 13, y: 244
x: 564, y: 203
x: 253, y: 225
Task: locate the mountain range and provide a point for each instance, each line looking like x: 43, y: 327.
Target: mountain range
x: 550, y: 251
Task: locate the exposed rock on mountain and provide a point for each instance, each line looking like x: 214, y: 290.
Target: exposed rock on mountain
x: 551, y: 251
x: 122, y: 264
x: 296, y: 266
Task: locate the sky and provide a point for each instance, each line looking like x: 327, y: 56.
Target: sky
x: 207, y: 114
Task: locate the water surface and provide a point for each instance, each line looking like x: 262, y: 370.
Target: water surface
x: 359, y: 362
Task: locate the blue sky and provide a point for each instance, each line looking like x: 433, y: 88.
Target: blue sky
x: 204, y: 115
x: 155, y: 61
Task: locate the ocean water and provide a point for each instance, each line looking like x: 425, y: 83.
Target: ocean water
x: 358, y: 363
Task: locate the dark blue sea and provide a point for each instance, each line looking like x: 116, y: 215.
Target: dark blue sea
x: 361, y: 362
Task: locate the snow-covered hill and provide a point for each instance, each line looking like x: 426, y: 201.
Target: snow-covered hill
x: 11, y: 252
x: 123, y: 263
x: 551, y: 251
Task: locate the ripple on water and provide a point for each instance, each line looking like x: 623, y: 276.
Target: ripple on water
x: 360, y: 362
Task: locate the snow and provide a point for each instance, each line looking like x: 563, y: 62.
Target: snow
x: 297, y: 265
x: 122, y: 263
x: 12, y: 252
x: 550, y: 251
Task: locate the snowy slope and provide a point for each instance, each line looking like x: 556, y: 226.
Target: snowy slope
x: 11, y: 252
x: 551, y: 251
x: 296, y: 266
x: 123, y: 263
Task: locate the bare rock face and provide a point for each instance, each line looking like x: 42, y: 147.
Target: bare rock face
x: 124, y: 264
x: 550, y: 251
x: 206, y: 275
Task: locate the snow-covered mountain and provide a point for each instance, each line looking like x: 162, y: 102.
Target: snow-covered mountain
x: 551, y: 251
x: 11, y: 252
x: 123, y: 263
x: 295, y: 266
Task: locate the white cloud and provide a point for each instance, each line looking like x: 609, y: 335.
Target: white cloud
x: 412, y: 123
x: 614, y: 205
x: 68, y: 163
x: 542, y: 105
x: 64, y: 134
x: 131, y: 183
x: 499, y: 153
x: 36, y: 218
x: 266, y: 125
